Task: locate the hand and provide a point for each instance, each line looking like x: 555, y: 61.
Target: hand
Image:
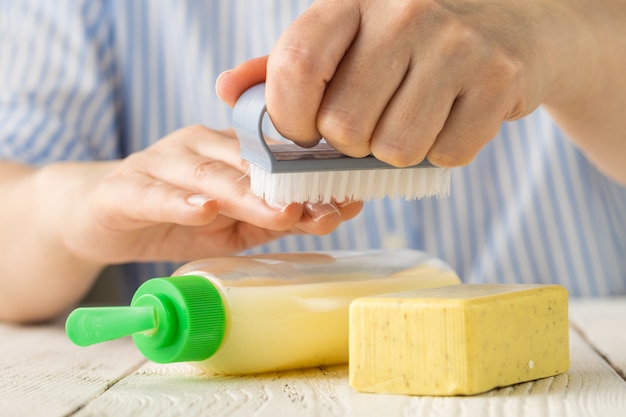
x: 408, y: 80
x: 186, y: 197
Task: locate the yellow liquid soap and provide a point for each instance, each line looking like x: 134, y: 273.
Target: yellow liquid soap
x: 253, y: 314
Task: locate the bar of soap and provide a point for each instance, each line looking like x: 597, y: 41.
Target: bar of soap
x: 458, y: 340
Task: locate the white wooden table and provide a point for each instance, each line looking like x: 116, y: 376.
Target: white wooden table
x: 43, y: 374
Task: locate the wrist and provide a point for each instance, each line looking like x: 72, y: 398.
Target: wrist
x: 62, y: 194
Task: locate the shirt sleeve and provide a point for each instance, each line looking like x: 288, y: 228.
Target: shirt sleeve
x: 57, y: 82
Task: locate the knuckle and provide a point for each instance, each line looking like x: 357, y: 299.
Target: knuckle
x: 409, y: 13
x: 398, y: 157
x: 241, y: 187
x: 344, y: 131
x: 281, y: 221
x: 459, y: 40
x: 508, y: 76
x: 449, y: 158
x: 181, y: 135
x: 206, y: 170
x: 503, y: 74
x: 294, y: 64
x: 399, y: 151
x: 195, y: 130
x: 144, y: 189
x: 136, y: 163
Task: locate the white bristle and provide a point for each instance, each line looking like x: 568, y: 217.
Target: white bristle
x: 323, y: 186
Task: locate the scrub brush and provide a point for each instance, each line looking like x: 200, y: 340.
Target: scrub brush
x: 288, y: 173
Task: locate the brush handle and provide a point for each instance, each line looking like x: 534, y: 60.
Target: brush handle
x: 248, y: 117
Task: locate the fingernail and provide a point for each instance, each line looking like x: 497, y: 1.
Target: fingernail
x: 278, y: 205
x: 198, y: 200
x: 342, y: 204
x: 217, y: 81
x: 318, y: 211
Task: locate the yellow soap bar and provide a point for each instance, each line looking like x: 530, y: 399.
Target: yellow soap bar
x: 458, y: 340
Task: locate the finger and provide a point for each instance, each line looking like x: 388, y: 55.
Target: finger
x: 216, y: 145
x: 174, y: 158
x: 473, y: 121
x: 415, y: 115
x: 232, y: 189
x: 225, y: 151
x: 182, y: 160
x: 321, y: 219
x: 232, y: 83
x: 301, y: 63
x: 490, y: 85
x: 349, y: 209
x: 144, y: 201
x: 228, y: 185
x: 359, y: 91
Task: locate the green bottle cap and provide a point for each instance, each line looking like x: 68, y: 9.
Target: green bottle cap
x: 171, y: 319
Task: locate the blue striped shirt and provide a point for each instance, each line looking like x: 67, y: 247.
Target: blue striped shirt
x: 97, y: 80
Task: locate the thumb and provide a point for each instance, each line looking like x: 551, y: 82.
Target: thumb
x: 232, y: 83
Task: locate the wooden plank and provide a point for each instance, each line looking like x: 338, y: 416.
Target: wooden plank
x: 43, y: 374
x: 591, y: 387
x: 603, y: 323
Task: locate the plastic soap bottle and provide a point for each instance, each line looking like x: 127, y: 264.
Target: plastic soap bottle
x: 252, y: 314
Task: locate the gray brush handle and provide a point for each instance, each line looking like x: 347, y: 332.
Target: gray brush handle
x: 248, y: 117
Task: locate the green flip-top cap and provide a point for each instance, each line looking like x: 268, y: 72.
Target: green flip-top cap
x: 171, y: 319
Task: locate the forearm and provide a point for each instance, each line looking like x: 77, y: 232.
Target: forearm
x: 39, y: 277
x: 589, y: 102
